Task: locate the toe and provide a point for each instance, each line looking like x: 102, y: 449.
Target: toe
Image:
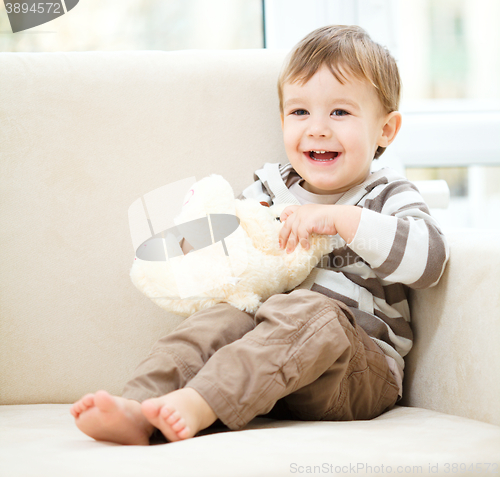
x: 179, y: 425
x: 184, y: 433
x: 87, y: 399
x: 105, y: 402
x: 85, y: 402
x: 78, y: 407
x: 169, y: 416
x: 150, y: 408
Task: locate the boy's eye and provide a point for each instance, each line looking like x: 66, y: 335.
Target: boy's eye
x: 300, y: 112
x: 340, y: 112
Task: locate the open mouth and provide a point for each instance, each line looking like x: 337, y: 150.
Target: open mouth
x: 323, y: 156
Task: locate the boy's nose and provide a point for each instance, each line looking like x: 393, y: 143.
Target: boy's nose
x: 318, y: 128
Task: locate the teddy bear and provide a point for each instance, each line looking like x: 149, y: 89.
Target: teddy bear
x: 222, y: 250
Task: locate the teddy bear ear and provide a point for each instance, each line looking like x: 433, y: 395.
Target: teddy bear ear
x: 216, y: 179
x: 188, y: 196
x: 217, y: 193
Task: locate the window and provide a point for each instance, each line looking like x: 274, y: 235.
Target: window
x: 453, y: 73
x: 450, y: 49
x: 143, y: 25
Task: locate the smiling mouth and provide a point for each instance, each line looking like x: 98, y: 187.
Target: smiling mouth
x: 323, y: 156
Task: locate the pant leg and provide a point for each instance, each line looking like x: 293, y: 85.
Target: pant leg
x: 300, y: 338
x: 178, y: 357
x: 363, y: 389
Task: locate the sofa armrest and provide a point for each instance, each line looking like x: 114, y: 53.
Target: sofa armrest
x: 453, y: 366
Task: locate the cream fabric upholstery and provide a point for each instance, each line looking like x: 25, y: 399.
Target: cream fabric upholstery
x: 85, y: 134
x: 41, y: 440
x: 454, y: 366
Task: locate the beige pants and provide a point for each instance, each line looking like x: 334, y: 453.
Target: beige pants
x: 301, y: 357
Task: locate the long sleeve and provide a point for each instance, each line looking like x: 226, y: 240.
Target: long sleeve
x: 402, y: 244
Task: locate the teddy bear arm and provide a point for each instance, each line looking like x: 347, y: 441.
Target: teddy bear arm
x: 245, y: 301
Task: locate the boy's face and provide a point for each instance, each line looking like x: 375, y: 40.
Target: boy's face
x: 345, y: 120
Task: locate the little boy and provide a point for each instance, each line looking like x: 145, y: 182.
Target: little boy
x: 333, y: 348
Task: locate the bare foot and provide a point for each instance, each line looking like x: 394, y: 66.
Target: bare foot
x: 112, y: 418
x: 180, y: 414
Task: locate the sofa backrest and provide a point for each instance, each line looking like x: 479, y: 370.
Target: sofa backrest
x: 82, y: 136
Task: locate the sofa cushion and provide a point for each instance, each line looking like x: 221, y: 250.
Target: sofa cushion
x: 42, y: 440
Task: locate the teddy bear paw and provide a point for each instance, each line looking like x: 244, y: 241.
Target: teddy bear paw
x: 249, y: 302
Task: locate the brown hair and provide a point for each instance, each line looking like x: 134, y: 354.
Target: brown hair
x: 350, y: 48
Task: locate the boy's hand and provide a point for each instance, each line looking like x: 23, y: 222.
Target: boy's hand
x: 300, y: 221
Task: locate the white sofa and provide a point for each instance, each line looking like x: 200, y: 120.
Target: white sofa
x: 82, y: 136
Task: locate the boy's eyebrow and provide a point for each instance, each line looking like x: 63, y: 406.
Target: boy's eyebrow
x: 347, y: 101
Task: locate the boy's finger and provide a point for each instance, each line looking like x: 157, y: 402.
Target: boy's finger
x: 291, y: 244
x: 283, y: 239
x: 287, y: 211
x: 284, y: 233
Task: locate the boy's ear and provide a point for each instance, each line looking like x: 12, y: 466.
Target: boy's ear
x: 390, y: 128
x: 282, y: 120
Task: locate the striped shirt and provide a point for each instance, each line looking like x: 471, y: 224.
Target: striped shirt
x: 397, y: 246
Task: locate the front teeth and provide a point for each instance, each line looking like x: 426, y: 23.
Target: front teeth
x: 319, y: 152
